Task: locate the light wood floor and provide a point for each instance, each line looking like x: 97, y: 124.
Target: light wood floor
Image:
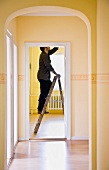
x: 52, y: 125
x: 51, y: 155
x: 52, y: 152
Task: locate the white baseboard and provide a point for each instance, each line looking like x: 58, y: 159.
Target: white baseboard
x: 80, y: 138
x: 22, y: 139
x: 72, y: 138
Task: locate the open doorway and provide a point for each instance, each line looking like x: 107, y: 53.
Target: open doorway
x: 85, y: 19
x: 33, y: 87
x: 52, y: 125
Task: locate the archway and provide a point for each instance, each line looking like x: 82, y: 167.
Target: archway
x: 50, y: 10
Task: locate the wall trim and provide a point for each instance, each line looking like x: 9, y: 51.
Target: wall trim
x: 21, y: 139
x: 3, y: 78
x: 67, y: 89
x: 21, y: 77
x: 79, y: 138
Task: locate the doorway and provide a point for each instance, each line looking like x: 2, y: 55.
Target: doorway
x: 63, y: 11
x: 66, y: 119
x: 52, y: 125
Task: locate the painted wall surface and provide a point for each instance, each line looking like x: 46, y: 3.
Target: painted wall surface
x: 88, y: 7
x: 103, y: 85
x: 69, y: 29
x: 34, y: 53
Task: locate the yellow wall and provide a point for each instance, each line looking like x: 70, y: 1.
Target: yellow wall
x: 34, y: 84
x: 6, y: 9
x: 103, y: 85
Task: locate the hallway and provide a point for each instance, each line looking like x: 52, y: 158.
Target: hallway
x: 51, y: 155
x: 49, y: 150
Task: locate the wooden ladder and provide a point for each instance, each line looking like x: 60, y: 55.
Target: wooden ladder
x: 47, y: 100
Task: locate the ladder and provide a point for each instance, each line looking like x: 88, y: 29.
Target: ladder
x: 47, y: 100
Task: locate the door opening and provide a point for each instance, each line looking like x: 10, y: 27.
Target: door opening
x: 31, y: 98
x: 64, y: 12
x: 52, y: 125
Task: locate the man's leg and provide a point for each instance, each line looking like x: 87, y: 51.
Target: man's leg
x: 49, y: 85
x: 44, y: 89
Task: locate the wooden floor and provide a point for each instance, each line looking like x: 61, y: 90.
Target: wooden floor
x: 52, y: 125
x: 51, y: 155
x: 52, y: 152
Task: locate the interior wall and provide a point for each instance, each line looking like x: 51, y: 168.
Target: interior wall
x: 70, y: 29
x: 103, y: 85
x: 34, y: 53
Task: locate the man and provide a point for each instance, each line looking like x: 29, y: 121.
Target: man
x: 43, y: 75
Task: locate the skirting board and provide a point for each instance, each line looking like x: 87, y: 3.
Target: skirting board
x: 72, y: 138
x: 80, y: 138
x: 21, y: 139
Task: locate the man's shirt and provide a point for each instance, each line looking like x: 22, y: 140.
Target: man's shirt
x: 45, y: 65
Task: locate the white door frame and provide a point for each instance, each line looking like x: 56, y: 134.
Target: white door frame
x: 15, y: 102
x: 11, y: 73
x: 67, y: 100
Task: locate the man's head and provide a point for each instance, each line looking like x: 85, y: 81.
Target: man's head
x: 42, y: 48
x: 45, y: 49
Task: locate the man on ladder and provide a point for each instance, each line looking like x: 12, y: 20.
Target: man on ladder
x: 43, y: 74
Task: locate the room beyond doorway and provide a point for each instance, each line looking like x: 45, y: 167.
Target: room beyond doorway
x: 53, y: 123
x: 51, y: 127
x: 66, y: 80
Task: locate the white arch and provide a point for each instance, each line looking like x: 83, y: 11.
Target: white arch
x: 63, y: 11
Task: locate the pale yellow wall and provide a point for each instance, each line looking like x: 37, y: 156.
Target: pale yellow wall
x: 103, y: 85
x: 70, y: 29
x: 34, y: 84
x: 6, y: 9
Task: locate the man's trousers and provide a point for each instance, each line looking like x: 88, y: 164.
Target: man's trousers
x: 44, y: 90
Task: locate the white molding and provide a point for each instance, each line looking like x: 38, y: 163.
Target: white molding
x: 49, y: 10
x: 67, y: 101
x: 27, y: 135
x: 80, y: 138
x: 21, y: 139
